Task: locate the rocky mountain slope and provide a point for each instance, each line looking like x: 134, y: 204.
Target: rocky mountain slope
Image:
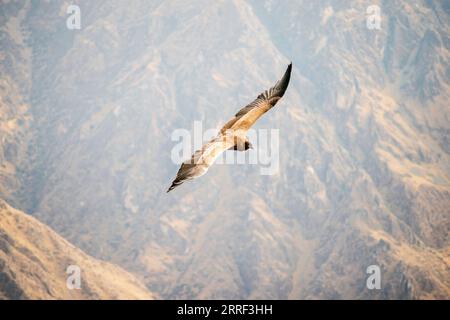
x: 364, y: 177
x: 34, y: 261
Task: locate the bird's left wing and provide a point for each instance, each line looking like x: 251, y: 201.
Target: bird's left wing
x: 202, y: 159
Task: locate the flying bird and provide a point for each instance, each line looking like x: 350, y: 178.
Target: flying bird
x: 233, y: 134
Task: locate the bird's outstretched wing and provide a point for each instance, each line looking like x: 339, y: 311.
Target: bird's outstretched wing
x: 248, y: 115
x: 202, y: 159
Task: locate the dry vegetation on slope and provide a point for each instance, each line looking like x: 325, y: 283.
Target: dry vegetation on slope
x: 34, y: 260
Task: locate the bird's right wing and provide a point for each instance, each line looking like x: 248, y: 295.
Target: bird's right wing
x: 248, y: 115
x: 202, y: 159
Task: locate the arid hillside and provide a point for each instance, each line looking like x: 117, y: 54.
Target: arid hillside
x: 34, y: 261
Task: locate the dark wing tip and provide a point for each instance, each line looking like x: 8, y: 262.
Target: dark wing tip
x: 288, y: 72
x: 171, y: 187
x: 282, y: 85
x: 175, y: 184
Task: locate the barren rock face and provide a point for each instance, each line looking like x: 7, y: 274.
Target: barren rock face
x: 86, y: 118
